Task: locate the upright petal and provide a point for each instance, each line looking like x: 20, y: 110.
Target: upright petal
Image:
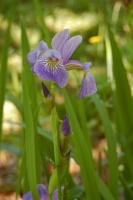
x: 60, y: 39
x: 42, y: 46
x: 32, y: 56
x: 70, y: 46
x: 88, y: 86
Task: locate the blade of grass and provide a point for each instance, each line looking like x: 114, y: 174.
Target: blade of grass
x: 3, y: 72
x: 83, y: 154
x: 30, y: 117
x: 123, y: 103
x: 104, y: 190
x: 30, y: 142
x: 41, y: 19
x: 111, y: 141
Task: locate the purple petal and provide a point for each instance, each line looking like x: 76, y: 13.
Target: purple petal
x: 32, y: 56
x: 70, y: 46
x: 88, y: 86
x: 65, y: 127
x: 58, y: 73
x: 55, y: 194
x: 27, y: 196
x: 87, y: 65
x: 42, y: 46
x: 59, y: 39
x: 46, y: 92
x: 60, y: 76
x: 43, y: 194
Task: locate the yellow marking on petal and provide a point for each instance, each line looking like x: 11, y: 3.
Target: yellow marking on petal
x: 73, y: 66
x: 95, y: 39
x: 52, y: 62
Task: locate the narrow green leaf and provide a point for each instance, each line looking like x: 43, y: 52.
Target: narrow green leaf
x: 29, y: 106
x: 123, y: 104
x: 103, y: 189
x: 56, y: 141
x: 29, y: 77
x: 30, y: 142
x: 3, y: 72
x: 41, y: 19
x: 83, y: 154
x: 111, y: 141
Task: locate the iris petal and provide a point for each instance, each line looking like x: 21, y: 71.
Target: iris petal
x: 88, y: 86
x: 70, y: 46
x: 27, y: 196
x: 60, y: 39
x: 42, y: 46
x: 74, y: 64
x: 43, y: 194
x: 32, y: 56
x: 58, y: 74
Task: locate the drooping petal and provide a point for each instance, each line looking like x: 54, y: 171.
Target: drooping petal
x: 70, y: 46
x: 60, y: 39
x: 65, y: 127
x: 88, y: 86
x: 60, y: 76
x: 50, y: 67
x: 42, y: 46
x: 87, y: 65
x: 74, y: 64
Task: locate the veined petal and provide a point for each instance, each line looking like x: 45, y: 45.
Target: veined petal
x: 42, y: 46
x: 88, y: 86
x: 60, y: 76
x: 59, y: 39
x: 70, y: 46
x: 56, y: 73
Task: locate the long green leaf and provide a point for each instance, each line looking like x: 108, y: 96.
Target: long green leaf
x: 29, y: 106
x: 41, y: 19
x: 3, y: 72
x: 83, y: 154
x: 30, y: 142
x: 111, y: 141
x: 123, y: 103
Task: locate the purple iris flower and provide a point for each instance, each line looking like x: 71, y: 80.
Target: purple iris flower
x: 53, y: 64
x: 43, y: 194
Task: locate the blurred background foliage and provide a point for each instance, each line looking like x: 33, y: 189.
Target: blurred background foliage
x: 83, y: 17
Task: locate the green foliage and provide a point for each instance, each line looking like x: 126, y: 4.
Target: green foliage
x: 106, y: 115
